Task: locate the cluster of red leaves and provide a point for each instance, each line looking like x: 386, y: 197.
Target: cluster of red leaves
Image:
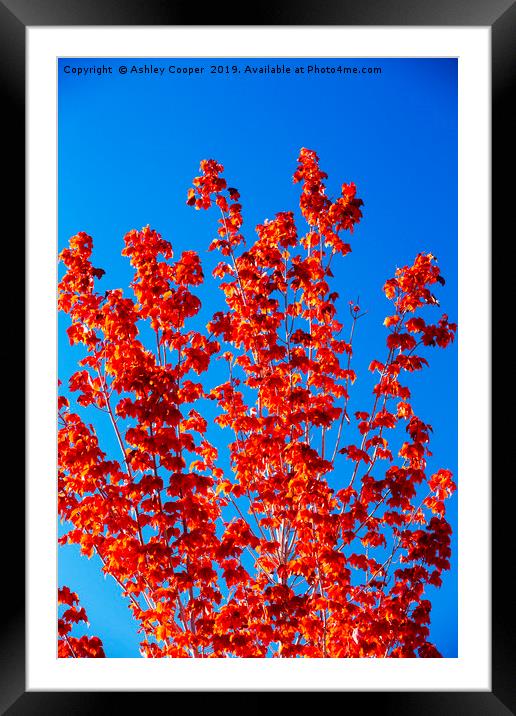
x: 68, y: 646
x: 283, y: 554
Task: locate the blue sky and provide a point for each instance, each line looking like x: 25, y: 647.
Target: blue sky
x: 129, y: 146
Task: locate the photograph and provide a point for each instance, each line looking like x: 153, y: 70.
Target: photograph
x: 258, y: 389
x: 258, y: 266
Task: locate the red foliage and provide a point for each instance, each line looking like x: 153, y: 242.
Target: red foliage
x: 291, y: 550
x: 68, y: 646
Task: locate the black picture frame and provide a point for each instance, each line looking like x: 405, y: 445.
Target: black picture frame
x: 500, y: 15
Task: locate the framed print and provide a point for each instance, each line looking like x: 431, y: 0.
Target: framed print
x: 269, y: 242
